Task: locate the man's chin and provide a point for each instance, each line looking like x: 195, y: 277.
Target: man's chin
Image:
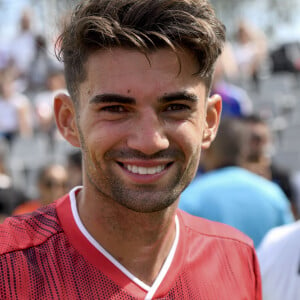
x: 148, y: 202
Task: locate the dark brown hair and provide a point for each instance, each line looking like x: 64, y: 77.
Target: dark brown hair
x: 144, y: 25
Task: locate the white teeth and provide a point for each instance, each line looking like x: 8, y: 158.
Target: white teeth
x: 143, y: 170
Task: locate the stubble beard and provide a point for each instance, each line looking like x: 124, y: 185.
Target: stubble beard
x: 143, y: 198
x: 146, y: 198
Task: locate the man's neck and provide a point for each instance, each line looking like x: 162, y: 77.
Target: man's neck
x: 141, y: 242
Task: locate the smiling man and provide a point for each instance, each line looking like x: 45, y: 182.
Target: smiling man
x: 138, y: 74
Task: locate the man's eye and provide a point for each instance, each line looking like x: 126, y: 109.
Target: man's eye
x: 114, y: 108
x: 176, y: 107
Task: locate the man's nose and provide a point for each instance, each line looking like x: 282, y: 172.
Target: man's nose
x: 148, y: 134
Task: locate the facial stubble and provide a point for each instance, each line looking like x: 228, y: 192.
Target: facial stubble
x: 143, y: 198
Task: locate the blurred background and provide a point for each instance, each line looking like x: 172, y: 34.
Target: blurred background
x: 257, y: 74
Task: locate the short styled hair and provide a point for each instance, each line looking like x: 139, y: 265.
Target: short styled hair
x: 144, y: 25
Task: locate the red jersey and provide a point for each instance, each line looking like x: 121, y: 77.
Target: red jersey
x: 48, y: 255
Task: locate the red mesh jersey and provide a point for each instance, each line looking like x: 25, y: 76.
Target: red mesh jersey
x: 44, y: 255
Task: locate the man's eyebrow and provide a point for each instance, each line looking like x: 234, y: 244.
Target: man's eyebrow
x: 179, y: 96
x: 112, y: 98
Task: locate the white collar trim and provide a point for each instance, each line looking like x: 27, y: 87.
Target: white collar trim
x: 150, y: 289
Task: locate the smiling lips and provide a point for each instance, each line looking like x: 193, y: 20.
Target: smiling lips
x: 143, y: 170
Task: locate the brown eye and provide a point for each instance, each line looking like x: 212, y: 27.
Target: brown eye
x: 114, y: 109
x: 177, y: 107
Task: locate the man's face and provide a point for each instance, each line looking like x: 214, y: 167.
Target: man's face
x: 260, y: 141
x: 140, y: 124
x: 54, y: 184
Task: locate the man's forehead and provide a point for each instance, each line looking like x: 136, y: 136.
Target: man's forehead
x: 158, y: 58
x: 121, y: 70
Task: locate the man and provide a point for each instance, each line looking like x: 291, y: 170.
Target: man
x: 74, y: 168
x: 279, y: 260
x: 10, y: 195
x: 232, y: 195
x: 258, y: 157
x: 138, y: 74
x: 52, y: 183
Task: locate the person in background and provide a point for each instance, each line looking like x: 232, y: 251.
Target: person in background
x: 279, y: 260
x: 230, y: 194
x: 295, y: 181
x: 10, y: 195
x: 235, y: 100
x: 138, y: 74
x: 52, y: 183
x: 258, y: 152
x: 250, y: 51
x: 74, y: 168
x: 15, y: 109
x: 42, y: 65
x: 22, y: 49
x: 43, y: 106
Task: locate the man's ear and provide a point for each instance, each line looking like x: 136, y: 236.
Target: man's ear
x: 213, y: 116
x: 65, y: 116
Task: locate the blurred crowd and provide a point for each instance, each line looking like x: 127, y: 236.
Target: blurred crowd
x: 30, y: 75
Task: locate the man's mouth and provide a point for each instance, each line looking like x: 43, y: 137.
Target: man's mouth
x: 145, y: 170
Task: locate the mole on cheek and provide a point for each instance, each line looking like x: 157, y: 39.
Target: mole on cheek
x: 128, y: 91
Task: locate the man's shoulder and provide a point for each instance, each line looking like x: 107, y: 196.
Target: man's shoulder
x: 214, y: 230
x: 29, y: 230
